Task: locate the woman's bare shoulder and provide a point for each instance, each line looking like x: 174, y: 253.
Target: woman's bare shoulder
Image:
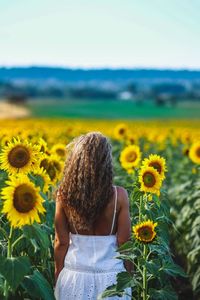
x: 122, y: 196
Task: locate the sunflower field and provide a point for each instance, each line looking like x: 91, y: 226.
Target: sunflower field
x: 159, y: 165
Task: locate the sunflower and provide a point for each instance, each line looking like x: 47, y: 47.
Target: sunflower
x: 186, y: 137
x: 41, y: 174
x: 157, y: 162
x: 150, y: 180
x: 60, y: 150
x: 130, y: 157
x: 19, y: 156
x: 144, y: 231
x: 131, y: 138
x: 21, y: 201
x: 194, y: 152
x: 53, y: 167
x: 42, y: 145
x: 120, y: 131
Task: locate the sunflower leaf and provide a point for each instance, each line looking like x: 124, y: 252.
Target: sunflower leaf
x: 37, y: 286
x: 110, y: 291
x: 3, y: 178
x: 130, y: 257
x: 35, y: 232
x: 153, y: 267
x: 128, y: 246
x: 38, y: 180
x: 14, y: 269
x: 1, y: 284
x: 173, y: 269
x: 125, y: 280
x: 163, y: 294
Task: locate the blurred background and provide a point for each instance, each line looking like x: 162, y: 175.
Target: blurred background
x: 100, y: 59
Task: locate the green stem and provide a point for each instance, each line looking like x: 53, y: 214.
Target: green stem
x: 137, y: 267
x: 140, y: 209
x: 9, y: 255
x: 9, y: 252
x: 17, y: 240
x: 145, y: 203
x: 140, y: 219
x: 144, y: 292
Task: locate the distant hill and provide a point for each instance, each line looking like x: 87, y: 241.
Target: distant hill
x: 77, y: 75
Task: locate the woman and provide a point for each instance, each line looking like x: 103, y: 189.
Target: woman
x: 91, y: 220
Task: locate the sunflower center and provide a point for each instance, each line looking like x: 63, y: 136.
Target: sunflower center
x: 132, y: 140
x: 121, y: 131
x: 149, y: 179
x: 156, y: 166
x: 131, y: 156
x: 19, y: 156
x: 198, y: 152
x: 51, y: 172
x: 44, y: 163
x: 145, y: 233
x: 24, y: 198
x: 60, y: 152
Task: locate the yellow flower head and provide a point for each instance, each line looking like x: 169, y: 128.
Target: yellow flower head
x: 144, y: 231
x: 120, y: 131
x: 19, y: 156
x: 130, y: 157
x: 53, y: 167
x: 158, y: 163
x: 150, y: 180
x: 194, y: 152
x: 131, y: 139
x: 60, y: 150
x: 22, y: 202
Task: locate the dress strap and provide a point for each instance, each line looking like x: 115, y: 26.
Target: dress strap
x: 115, y: 210
x: 74, y: 226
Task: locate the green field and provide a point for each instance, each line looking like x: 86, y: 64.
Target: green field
x: 111, y: 109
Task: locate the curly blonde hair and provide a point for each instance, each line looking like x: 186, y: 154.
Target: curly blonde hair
x: 87, y: 183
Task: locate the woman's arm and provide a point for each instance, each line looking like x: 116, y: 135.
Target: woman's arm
x: 61, y: 242
x: 124, y: 224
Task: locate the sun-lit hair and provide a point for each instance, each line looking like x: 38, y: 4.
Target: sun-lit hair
x: 87, y: 183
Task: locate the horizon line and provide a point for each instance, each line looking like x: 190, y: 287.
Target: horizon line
x: 90, y: 68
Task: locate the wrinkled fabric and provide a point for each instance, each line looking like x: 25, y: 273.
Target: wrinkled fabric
x: 89, y: 268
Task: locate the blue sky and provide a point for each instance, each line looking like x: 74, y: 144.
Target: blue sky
x: 100, y: 33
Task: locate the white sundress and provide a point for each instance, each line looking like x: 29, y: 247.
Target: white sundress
x: 90, y: 266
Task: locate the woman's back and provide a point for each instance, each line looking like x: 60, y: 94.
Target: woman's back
x: 106, y: 223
